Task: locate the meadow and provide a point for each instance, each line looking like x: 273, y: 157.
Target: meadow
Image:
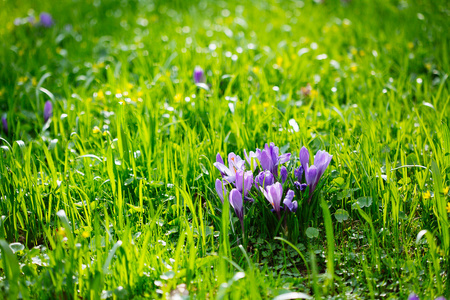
x: 136, y: 155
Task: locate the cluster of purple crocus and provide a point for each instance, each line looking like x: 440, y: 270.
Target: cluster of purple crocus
x: 48, y: 109
x: 271, y: 180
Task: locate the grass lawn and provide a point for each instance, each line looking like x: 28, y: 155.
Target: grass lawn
x: 114, y: 113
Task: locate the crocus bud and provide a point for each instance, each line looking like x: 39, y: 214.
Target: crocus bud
x: 45, y: 19
x: 48, y: 107
x: 199, y: 75
x: 284, y: 174
x: 5, y: 124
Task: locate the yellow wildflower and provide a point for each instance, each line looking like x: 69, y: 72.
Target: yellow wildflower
x: 61, y: 231
x: 426, y: 195
x: 22, y: 80
x: 354, y: 68
x: 255, y: 70
x: 445, y: 190
x: 279, y: 61
x: 410, y: 45
x: 34, y: 81
x: 85, y: 234
x: 448, y: 207
x: 266, y: 104
x: 362, y: 53
x: 314, y: 93
x: 178, y: 97
x: 354, y: 51
x: 96, y: 130
x: 100, y: 95
x: 428, y: 66
x: 130, y: 86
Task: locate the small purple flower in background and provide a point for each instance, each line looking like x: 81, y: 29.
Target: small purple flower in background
x: 31, y: 20
x: 220, y: 189
x: 440, y: 298
x: 264, y: 179
x: 46, y: 20
x: 48, y: 108
x: 238, y: 205
x: 413, y: 296
x: 269, y: 158
x: 284, y: 174
x: 291, y: 206
x: 235, y: 163
x: 244, y: 182
x: 5, y: 124
x: 199, y: 75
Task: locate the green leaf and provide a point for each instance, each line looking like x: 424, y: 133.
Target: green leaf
x: 312, y: 232
x: 364, y: 202
x: 341, y: 215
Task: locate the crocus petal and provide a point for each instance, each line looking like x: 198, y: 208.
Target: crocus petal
x: 199, y: 75
x: 300, y: 186
x: 304, y: 158
x: 284, y: 174
x: 248, y: 182
x: 413, y: 296
x: 284, y: 158
x: 265, y: 161
x: 45, y: 19
x: 298, y: 173
x: 288, y: 201
x: 236, y: 203
x: 274, y: 194
x: 264, y: 179
x: 220, y: 189
x: 219, y: 159
x: 223, y: 169
x: 48, y: 107
x: 310, y: 175
x: 321, y: 160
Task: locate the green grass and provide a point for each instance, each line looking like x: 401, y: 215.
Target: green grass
x: 131, y: 211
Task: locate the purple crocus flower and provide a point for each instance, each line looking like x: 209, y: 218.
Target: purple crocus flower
x: 238, y: 205
x: 269, y: 158
x: 46, y: 20
x: 440, y: 298
x: 413, y: 296
x: 291, y: 205
x: 264, y: 179
x: 199, y: 75
x: 284, y: 174
x: 235, y: 163
x: 244, y: 182
x: 273, y: 194
x: 304, y: 158
x: 48, y: 107
x: 220, y: 189
x: 5, y: 124
x: 313, y: 173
